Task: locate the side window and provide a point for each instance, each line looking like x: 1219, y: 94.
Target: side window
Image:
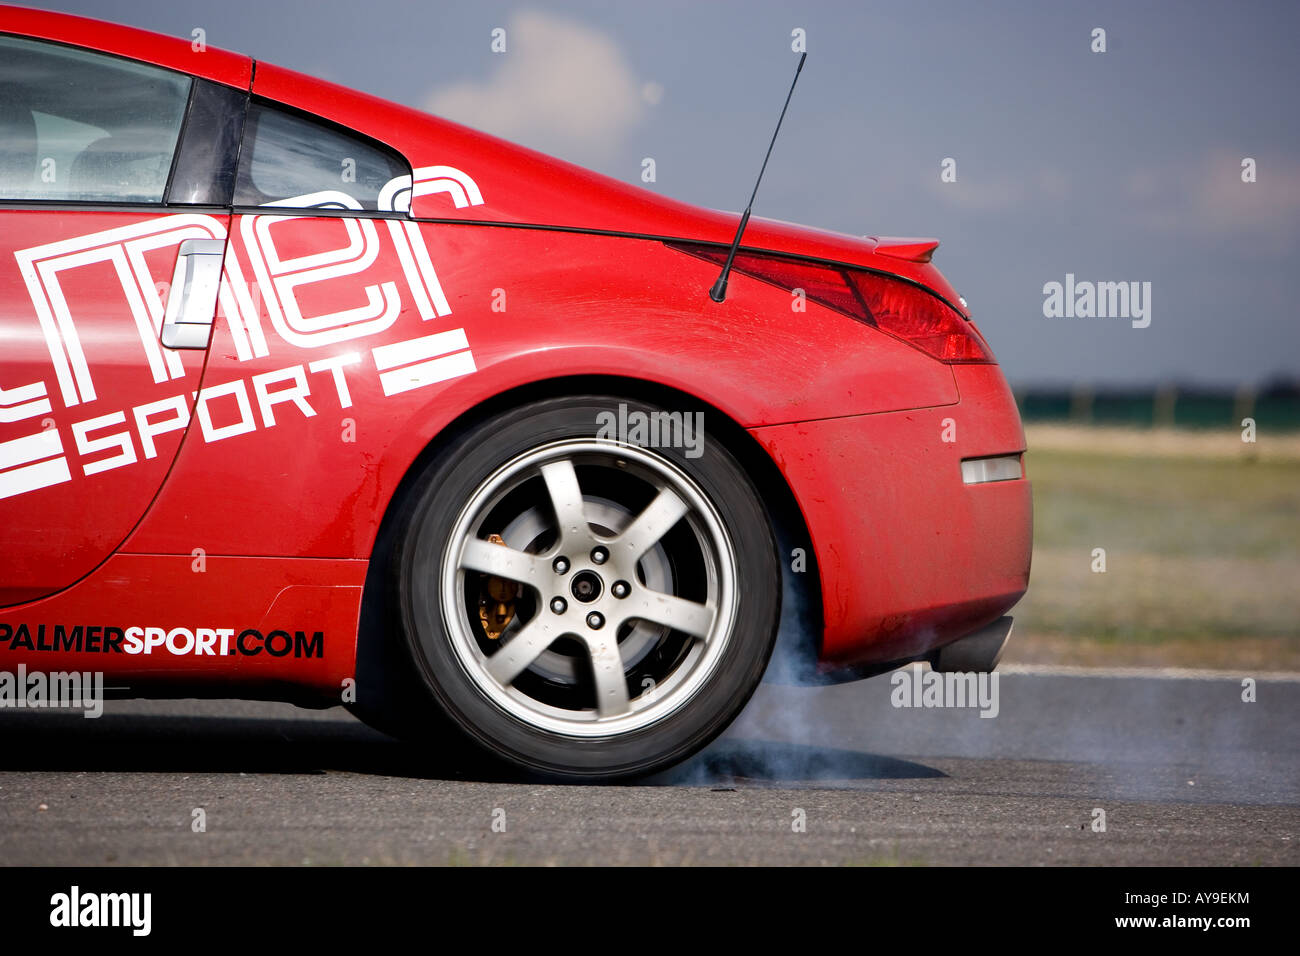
x: 287, y: 156
x: 85, y: 127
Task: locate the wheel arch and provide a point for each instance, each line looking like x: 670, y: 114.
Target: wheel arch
x: 799, y: 637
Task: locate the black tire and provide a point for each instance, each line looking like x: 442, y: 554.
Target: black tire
x: 437, y: 643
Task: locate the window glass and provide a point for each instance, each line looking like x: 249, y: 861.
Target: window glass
x: 81, y: 126
x: 287, y: 156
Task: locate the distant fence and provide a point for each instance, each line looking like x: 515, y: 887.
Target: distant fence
x: 1276, y: 408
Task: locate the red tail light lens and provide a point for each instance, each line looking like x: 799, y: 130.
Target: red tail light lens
x: 898, y: 308
x: 921, y: 319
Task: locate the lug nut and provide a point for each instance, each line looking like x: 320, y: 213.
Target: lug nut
x: 599, y: 555
x: 561, y: 565
x: 620, y: 589
x: 595, y: 620
x: 559, y: 605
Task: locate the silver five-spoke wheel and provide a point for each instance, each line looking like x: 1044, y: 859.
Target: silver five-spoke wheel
x: 625, y: 587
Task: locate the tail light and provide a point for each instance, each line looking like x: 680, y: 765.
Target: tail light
x: 896, y: 307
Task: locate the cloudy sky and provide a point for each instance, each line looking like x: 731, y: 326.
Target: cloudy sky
x: 1117, y: 166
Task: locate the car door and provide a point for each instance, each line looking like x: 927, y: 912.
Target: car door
x: 115, y: 185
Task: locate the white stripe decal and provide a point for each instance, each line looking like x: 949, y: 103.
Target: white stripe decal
x: 447, y: 179
x: 427, y: 373
x: 22, y: 480
x: 415, y: 350
x: 30, y: 448
x: 25, y: 401
x: 29, y: 477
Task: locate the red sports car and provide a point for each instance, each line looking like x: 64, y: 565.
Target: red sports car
x: 308, y: 396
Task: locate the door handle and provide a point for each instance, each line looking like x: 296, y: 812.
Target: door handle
x: 192, y: 300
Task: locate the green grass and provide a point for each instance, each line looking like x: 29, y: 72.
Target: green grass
x: 1178, y: 507
x: 1202, y: 559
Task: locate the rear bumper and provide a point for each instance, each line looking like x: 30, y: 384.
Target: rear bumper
x: 911, y: 555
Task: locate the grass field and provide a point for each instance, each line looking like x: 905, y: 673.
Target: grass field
x: 1202, y: 550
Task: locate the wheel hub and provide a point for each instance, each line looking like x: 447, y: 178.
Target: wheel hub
x: 587, y: 586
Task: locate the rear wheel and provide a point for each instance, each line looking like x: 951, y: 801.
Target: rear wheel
x: 583, y: 607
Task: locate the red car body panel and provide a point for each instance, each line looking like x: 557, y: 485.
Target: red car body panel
x: 65, y: 532
x: 913, y: 563
x: 258, y: 509
x: 148, y: 620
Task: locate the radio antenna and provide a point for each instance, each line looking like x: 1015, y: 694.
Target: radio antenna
x: 719, y: 290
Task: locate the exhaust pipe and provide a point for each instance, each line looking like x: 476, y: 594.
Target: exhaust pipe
x: 975, y: 653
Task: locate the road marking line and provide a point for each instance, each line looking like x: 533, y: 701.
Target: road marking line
x: 1151, y: 673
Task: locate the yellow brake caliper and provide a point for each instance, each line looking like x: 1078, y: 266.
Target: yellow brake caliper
x: 496, y: 599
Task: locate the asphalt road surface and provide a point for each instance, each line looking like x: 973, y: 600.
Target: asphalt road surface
x: 1185, y: 771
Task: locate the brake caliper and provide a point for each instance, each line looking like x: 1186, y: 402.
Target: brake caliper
x: 496, y: 599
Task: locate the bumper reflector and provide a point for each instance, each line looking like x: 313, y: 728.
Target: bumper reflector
x: 975, y: 471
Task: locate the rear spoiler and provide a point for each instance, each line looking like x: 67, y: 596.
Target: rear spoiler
x: 912, y: 250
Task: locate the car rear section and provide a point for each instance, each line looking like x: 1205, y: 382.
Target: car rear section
x: 921, y: 515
